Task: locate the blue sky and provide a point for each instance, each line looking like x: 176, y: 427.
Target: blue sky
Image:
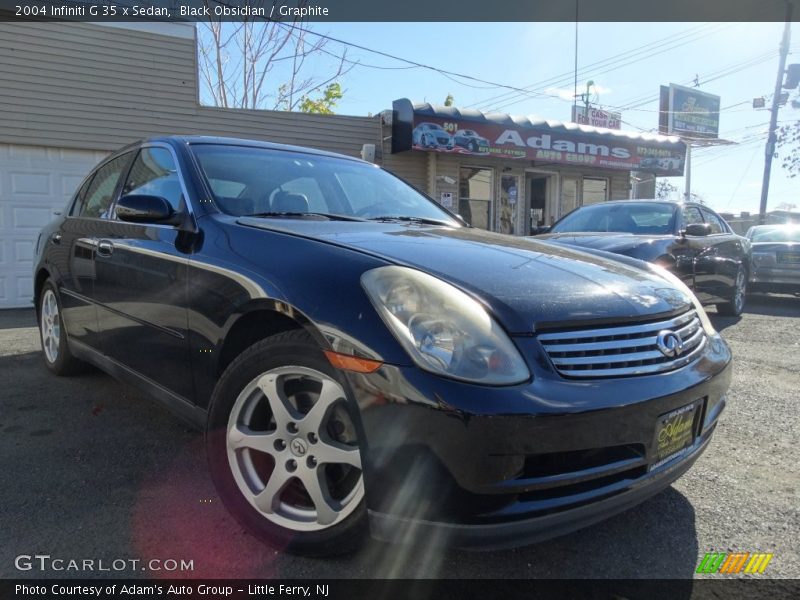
x: 520, y: 54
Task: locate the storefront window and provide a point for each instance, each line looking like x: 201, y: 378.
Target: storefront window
x: 569, y: 195
x: 594, y: 190
x: 475, y: 196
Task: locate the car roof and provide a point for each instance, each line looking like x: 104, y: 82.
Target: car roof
x: 651, y: 201
x: 188, y: 140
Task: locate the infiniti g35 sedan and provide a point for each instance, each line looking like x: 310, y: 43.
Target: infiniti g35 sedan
x: 363, y: 362
x: 689, y: 239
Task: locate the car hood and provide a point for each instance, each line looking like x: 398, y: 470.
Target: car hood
x: 608, y: 242
x: 527, y: 284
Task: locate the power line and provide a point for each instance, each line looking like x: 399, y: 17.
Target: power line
x: 394, y: 57
x: 614, y: 59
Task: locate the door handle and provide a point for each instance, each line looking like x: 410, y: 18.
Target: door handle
x: 105, y: 248
x: 56, y: 238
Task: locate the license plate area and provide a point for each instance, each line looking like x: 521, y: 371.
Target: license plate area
x: 675, y: 433
x: 789, y: 257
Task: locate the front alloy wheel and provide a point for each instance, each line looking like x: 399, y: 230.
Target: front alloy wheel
x: 289, y: 417
x: 284, y: 449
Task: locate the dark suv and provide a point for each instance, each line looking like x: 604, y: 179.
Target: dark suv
x: 362, y: 360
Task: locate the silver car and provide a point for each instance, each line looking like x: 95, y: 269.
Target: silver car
x: 776, y: 258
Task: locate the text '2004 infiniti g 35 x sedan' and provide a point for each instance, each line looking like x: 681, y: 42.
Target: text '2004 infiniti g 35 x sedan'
x: 363, y: 362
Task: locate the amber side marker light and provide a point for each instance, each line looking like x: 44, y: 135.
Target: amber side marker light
x: 352, y: 363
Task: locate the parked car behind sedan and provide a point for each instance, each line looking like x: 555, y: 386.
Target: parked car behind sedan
x: 362, y: 361
x: 776, y: 258
x: 689, y: 239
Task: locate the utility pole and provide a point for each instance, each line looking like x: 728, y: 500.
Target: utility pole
x: 773, y: 120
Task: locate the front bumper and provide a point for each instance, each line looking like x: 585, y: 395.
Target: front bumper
x: 492, y: 467
x: 510, y: 534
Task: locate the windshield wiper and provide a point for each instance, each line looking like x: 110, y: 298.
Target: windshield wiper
x: 331, y: 216
x: 406, y: 219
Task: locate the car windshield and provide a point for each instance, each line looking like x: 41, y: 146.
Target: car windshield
x: 268, y: 182
x: 636, y: 217
x: 780, y: 233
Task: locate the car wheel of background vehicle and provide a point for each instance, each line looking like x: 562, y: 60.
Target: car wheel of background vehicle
x: 53, y: 334
x: 735, y: 307
x: 283, y: 448
x: 473, y: 147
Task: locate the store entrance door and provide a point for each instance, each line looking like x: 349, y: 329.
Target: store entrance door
x: 540, y: 190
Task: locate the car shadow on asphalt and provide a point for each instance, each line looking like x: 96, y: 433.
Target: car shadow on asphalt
x: 773, y: 305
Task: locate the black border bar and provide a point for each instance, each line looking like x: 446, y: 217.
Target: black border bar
x: 410, y: 10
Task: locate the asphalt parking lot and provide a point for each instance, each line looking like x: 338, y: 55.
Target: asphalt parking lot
x: 94, y: 469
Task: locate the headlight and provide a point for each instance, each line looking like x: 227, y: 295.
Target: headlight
x: 701, y: 313
x: 442, y: 328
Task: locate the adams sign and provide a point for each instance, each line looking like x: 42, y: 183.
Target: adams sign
x: 447, y: 130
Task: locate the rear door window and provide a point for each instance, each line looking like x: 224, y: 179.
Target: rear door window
x: 95, y: 204
x: 716, y: 224
x: 691, y: 215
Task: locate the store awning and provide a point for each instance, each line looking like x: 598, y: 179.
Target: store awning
x: 447, y: 129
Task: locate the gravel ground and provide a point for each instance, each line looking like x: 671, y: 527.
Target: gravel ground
x: 93, y: 469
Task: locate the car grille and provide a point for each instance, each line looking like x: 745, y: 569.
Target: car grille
x: 443, y: 140
x: 620, y: 351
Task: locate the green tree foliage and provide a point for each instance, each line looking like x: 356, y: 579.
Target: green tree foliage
x: 325, y: 104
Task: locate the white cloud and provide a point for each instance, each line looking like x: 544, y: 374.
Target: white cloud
x: 569, y: 93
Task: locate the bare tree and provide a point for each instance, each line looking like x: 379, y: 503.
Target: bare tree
x: 665, y: 190
x: 257, y: 63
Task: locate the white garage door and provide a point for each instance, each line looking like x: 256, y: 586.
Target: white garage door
x: 35, y: 182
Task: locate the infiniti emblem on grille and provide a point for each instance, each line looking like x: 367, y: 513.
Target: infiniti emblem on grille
x: 670, y: 343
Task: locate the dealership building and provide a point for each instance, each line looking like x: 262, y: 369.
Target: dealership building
x: 73, y: 92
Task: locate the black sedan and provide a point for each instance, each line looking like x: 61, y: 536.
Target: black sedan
x: 362, y: 361
x: 689, y: 239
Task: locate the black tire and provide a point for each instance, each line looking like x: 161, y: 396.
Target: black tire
x: 63, y: 363
x: 735, y: 307
x: 289, y: 349
x: 473, y: 146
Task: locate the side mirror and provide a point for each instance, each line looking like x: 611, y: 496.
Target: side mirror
x: 141, y: 208
x: 698, y: 229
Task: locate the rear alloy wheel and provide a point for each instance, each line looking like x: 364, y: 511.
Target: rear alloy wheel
x: 57, y: 355
x: 735, y: 307
x: 284, y: 448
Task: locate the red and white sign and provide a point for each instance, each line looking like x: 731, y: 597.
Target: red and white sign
x: 596, y: 117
